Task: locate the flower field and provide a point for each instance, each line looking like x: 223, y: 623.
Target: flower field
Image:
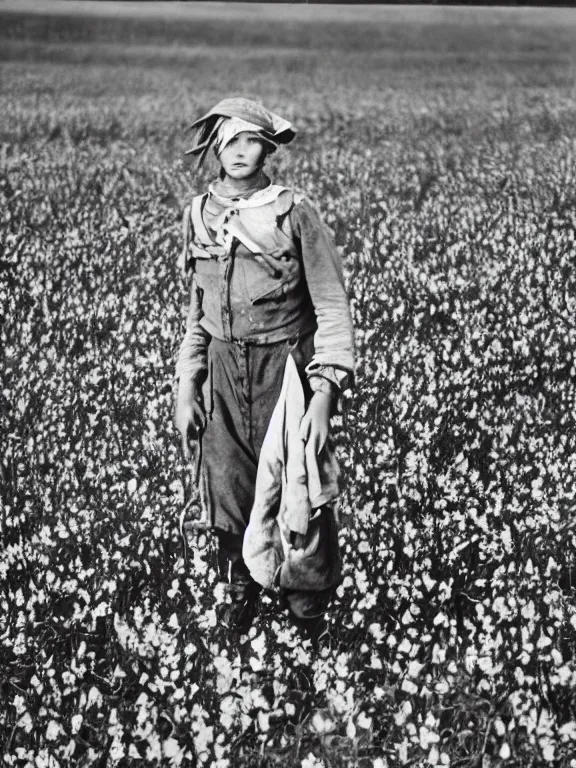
x: 440, y: 147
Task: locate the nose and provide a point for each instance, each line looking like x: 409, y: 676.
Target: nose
x: 241, y: 147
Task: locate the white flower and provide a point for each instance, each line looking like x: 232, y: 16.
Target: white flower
x: 94, y: 697
x: 409, y: 687
x: 322, y: 723
x: 256, y: 664
x: 310, y: 761
x: 19, y: 704
x: 427, y: 737
x: 76, y: 723
x: 263, y: 721
x: 364, y: 721
x: 53, y: 730
x: 25, y: 722
x: 405, y: 646
x: 414, y: 669
x: 404, y: 713
x: 548, y: 749
x: 170, y: 748
x: 505, y: 751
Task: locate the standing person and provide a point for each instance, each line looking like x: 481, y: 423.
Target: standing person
x: 266, y: 283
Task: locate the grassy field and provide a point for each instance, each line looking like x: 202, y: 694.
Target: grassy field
x: 439, y: 145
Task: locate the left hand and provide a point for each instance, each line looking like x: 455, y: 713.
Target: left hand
x: 315, y: 424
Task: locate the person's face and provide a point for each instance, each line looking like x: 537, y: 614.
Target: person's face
x: 241, y: 157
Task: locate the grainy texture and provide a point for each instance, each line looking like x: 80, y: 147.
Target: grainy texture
x: 439, y: 145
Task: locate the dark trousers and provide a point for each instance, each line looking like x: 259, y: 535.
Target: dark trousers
x: 243, y: 386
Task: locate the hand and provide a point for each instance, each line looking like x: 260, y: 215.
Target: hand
x: 315, y: 424
x: 190, y: 417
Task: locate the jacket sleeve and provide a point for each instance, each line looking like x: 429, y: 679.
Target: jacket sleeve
x: 333, y: 359
x: 192, y: 355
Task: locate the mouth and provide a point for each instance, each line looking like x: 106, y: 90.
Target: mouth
x: 239, y: 165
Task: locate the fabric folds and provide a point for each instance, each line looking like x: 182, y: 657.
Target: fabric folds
x: 289, y: 541
x: 273, y: 128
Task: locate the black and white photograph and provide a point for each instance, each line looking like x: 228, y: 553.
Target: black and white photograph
x: 287, y: 384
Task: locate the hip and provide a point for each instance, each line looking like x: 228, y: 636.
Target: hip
x: 251, y: 373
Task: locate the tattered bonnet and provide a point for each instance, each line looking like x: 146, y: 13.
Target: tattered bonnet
x: 272, y: 128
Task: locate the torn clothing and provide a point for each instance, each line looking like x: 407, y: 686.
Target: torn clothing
x: 264, y: 269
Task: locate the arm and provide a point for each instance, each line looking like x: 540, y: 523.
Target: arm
x: 190, y: 417
x: 333, y: 361
x: 332, y: 366
x: 192, y: 355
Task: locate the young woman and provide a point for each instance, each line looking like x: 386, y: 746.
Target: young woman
x: 266, y: 283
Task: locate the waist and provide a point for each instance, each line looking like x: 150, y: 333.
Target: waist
x: 293, y: 338
x: 244, y: 331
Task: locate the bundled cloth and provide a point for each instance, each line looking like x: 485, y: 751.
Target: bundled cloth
x: 291, y: 540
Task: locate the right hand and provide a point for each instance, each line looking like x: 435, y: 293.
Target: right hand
x: 190, y: 417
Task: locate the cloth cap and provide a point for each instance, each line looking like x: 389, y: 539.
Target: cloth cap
x: 229, y: 127
x: 273, y: 128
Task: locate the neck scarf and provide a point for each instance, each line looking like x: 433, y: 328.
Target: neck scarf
x: 242, y: 188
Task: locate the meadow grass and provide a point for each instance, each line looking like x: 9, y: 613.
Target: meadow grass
x: 439, y: 147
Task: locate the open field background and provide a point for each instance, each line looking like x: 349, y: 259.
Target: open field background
x: 439, y: 145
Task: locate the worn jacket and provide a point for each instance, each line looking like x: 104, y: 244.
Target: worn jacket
x: 264, y: 269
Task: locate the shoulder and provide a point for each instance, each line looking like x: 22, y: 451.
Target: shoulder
x: 290, y: 199
x: 293, y: 206
x: 192, y: 209
x: 285, y: 200
x: 304, y: 211
x: 189, y: 197
x: 295, y: 196
x: 191, y: 202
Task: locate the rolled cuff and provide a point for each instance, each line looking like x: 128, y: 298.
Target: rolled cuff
x: 324, y: 378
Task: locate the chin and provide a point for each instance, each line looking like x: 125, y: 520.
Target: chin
x: 243, y: 173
